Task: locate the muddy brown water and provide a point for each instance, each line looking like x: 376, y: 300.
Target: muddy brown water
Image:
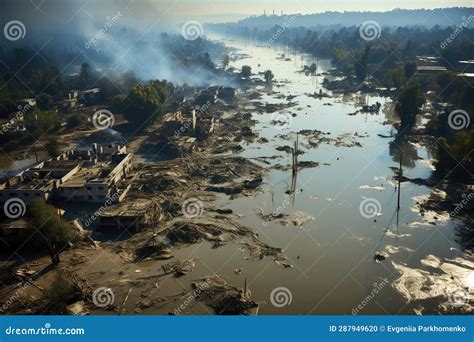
x: 425, y: 269
x: 333, y: 254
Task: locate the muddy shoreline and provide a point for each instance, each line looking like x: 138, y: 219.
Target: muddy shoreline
x: 157, y: 271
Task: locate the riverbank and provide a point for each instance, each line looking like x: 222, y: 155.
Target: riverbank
x: 258, y: 228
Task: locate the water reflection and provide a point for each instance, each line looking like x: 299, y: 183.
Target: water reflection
x: 401, y: 148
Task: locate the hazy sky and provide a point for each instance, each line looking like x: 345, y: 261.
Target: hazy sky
x: 208, y: 9
x: 309, y: 6
x: 78, y: 13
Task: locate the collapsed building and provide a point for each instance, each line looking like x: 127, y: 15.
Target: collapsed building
x: 198, y: 123
x: 130, y: 216
x: 75, y: 176
x: 213, y: 94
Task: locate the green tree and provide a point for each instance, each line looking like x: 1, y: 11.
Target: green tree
x: 74, y: 121
x: 52, y: 147
x: 7, y: 105
x: 39, y: 122
x: 410, y: 69
x: 144, y: 105
x: 117, y: 103
x: 360, y: 65
x: 268, y: 76
x: 163, y: 89
x: 45, y: 102
x: 59, y: 293
x: 51, y: 231
x: 457, y: 156
x: 394, y: 78
x: 409, y: 103
x: 246, y: 71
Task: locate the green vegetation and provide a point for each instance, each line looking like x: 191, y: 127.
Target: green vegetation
x: 74, y: 120
x: 408, y: 105
x: 40, y: 122
x: 52, y: 146
x: 456, y: 157
x: 360, y: 65
x: 59, y: 293
x: 50, y: 230
x: 144, y: 103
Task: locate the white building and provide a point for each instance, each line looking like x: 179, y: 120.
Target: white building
x: 75, y: 176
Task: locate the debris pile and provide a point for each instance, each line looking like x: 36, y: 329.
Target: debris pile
x: 225, y: 299
x: 154, y: 248
x: 178, y: 267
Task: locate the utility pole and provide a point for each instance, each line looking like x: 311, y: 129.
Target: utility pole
x: 245, y: 287
x: 400, y: 173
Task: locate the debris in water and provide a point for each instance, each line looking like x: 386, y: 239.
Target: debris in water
x: 225, y: 299
x: 379, y: 257
x: 178, y: 267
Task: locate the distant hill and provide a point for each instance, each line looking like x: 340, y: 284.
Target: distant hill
x: 397, y: 17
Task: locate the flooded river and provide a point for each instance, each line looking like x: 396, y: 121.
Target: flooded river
x: 425, y: 269
x: 344, y: 210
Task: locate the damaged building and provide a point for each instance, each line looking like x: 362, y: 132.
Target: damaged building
x: 76, y: 175
x: 131, y: 216
x: 198, y: 124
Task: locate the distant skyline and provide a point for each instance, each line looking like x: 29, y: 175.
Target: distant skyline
x: 86, y: 16
x: 252, y: 7
x: 222, y: 10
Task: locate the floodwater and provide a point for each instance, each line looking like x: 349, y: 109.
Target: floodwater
x: 425, y: 270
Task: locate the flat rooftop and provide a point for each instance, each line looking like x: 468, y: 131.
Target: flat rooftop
x: 89, y: 174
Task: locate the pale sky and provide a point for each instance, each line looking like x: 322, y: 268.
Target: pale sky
x: 306, y: 6
x: 78, y: 14
x: 214, y: 10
